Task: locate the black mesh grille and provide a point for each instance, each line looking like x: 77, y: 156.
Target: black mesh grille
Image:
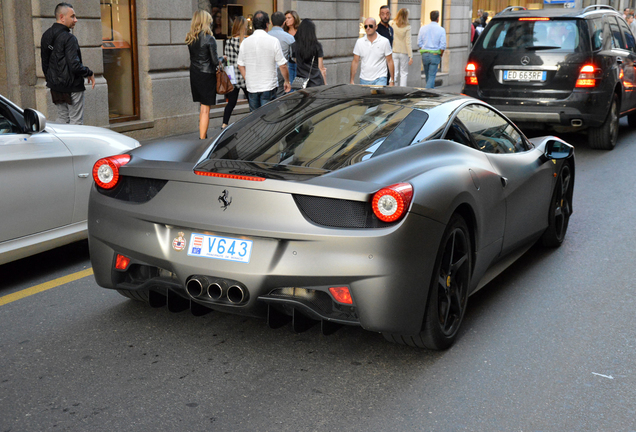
x: 338, y: 213
x: 135, y: 189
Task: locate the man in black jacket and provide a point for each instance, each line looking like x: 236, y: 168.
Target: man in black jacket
x: 63, y: 68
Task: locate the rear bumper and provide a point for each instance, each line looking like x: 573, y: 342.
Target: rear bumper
x: 386, y: 269
x: 585, y: 109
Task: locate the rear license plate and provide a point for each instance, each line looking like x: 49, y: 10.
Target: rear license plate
x: 514, y: 75
x: 223, y: 248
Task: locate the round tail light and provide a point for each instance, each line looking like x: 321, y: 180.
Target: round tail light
x: 106, y: 170
x: 391, y: 203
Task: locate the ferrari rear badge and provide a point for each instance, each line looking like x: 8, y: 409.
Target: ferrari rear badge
x: 179, y: 243
x: 225, y: 200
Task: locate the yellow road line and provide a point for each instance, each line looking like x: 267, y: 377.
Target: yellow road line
x: 45, y: 286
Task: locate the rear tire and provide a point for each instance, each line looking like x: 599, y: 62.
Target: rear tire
x: 139, y: 295
x: 560, y: 209
x: 606, y: 136
x: 448, y: 292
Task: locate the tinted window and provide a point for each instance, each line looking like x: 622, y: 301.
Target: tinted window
x: 627, y: 33
x: 7, y: 125
x: 596, y: 31
x: 558, y: 35
x: 457, y: 132
x: 321, y: 134
x: 491, y: 132
x: 617, y: 38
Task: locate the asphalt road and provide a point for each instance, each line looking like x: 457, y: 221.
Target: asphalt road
x: 549, y: 345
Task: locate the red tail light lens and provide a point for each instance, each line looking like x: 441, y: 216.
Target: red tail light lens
x: 587, y: 76
x: 341, y: 294
x: 121, y: 263
x: 471, y: 74
x: 106, y: 170
x: 391, y: 203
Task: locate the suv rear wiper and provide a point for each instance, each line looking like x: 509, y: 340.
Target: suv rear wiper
x: 541, y: 47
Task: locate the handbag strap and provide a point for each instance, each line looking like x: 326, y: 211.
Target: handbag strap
x: 310, y: 66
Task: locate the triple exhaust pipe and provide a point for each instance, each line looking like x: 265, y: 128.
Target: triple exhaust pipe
x: 201, y: 287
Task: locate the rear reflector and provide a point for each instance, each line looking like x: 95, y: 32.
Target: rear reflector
x: 230, y: 176
x: 121, y: 263
x: 341, y: 294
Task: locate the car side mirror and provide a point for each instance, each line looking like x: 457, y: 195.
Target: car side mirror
x: 558, y: 150
x: 34, y: 120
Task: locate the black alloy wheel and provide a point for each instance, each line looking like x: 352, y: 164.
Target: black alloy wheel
x: 560, y: 209
x: 448, y: 292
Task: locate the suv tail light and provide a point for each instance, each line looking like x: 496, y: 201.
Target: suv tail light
x: 106, y: 170
x: 391, y: 203
x: 471, y: 74
x: 587, y: 76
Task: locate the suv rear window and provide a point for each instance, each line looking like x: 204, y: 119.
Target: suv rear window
x: 533, y: 34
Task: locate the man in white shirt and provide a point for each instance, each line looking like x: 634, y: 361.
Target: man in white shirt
x: 259, y: 56
x: 376, y: 57
x: 432, y: 43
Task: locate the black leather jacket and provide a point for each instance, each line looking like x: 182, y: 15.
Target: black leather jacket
x: 203, y: 55
x: 62, y: 60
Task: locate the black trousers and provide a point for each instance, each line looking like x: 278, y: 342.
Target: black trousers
x: 232, y: 97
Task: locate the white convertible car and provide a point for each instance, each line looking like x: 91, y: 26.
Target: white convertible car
x: 45, y: 179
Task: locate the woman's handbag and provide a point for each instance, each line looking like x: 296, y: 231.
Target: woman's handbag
x: 300, y: 83
x: 223, y: 83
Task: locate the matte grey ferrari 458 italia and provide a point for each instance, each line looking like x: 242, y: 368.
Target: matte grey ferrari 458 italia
x: 379, y: 207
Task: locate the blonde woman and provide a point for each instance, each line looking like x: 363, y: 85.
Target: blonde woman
x: 231, y: 54
x: 402, y: 51
x: 203, y: 63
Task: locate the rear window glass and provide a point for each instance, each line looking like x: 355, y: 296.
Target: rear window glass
x: 324, y: 134
x: 555, y: 35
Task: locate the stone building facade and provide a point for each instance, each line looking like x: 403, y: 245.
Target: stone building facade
x: 142, y: 76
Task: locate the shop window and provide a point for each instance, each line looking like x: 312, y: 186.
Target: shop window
x: 119, y: 51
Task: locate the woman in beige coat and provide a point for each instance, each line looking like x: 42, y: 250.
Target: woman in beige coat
x: 402, y: 51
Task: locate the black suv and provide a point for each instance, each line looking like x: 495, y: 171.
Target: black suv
x: 567, y: 70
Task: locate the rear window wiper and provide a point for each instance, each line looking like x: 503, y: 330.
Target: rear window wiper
x: 541, y: 47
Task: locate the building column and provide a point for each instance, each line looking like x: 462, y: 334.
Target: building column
x: 457, y: 14
x: 18, y: 71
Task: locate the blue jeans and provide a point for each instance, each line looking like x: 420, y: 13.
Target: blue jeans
x: 379, y: 81
x: 257, y: 100
x: 431, y: 63
x: 291, y: 67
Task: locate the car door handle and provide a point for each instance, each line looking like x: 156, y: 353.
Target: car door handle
x: 504, y: 181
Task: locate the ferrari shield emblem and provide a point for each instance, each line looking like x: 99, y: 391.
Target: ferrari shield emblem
x: 179, y: 243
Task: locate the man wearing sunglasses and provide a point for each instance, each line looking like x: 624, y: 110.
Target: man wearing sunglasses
x: 375, y: 56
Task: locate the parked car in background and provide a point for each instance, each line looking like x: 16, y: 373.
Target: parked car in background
x: 561, y: 69
x: 45, y: 179
x: 379, y: 207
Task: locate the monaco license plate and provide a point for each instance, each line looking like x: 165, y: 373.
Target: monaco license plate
x: 520, y: 75
x: 223, y: 248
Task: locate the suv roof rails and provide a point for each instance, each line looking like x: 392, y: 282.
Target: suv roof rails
x: 511, y: 9
x: 598, y: 7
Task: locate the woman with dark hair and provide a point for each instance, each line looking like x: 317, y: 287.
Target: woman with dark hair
x: 203, y: 63
x: 231, y: 54
x: 292, y: 21
x: 309, y: 56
